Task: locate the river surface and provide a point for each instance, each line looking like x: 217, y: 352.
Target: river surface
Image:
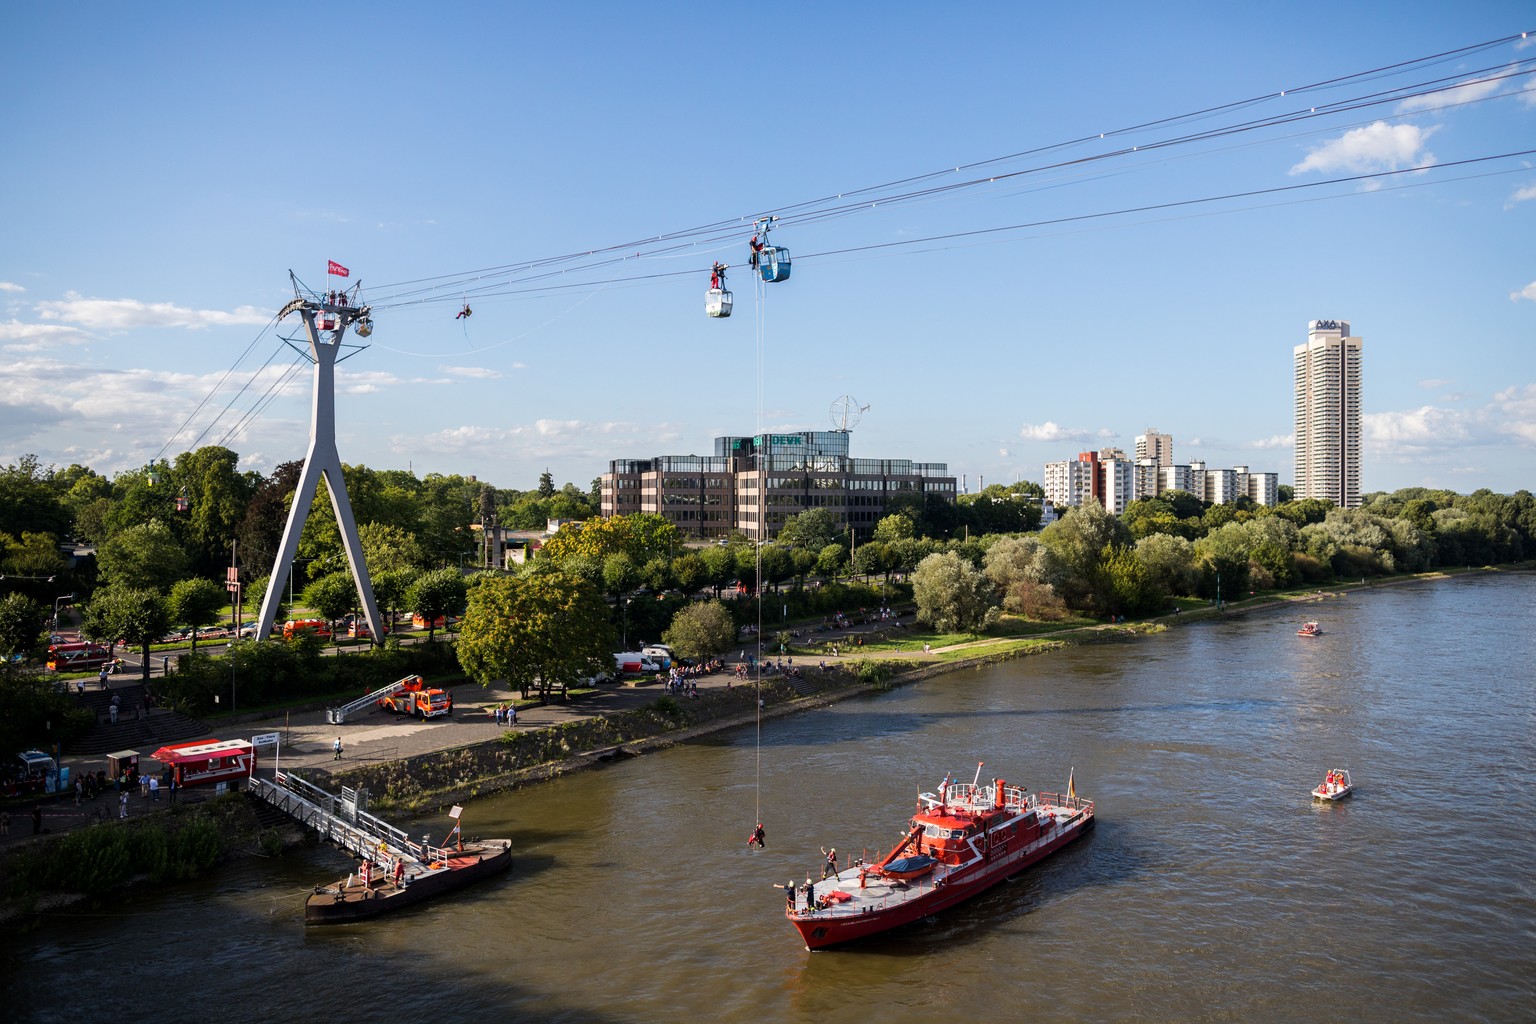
x: 1211, y: 890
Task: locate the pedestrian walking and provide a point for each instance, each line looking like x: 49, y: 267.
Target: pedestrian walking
x: 101, y: 677
x: 336, y: 749
x: 122, y: 805
x: 172, y: 788
x: 154, y: 787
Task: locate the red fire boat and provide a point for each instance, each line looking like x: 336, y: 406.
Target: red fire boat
x: 959, y: 843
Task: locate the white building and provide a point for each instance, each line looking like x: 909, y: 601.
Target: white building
x: 1327, y: 382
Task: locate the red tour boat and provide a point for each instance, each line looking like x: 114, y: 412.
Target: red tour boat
x: 959, y: 843
x: 1310, y: 629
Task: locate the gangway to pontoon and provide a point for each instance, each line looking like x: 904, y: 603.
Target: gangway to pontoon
x: 344, y: 820
x: 337, y: 716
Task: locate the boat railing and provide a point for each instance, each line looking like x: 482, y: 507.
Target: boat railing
x: 971, y: 796
x: 1071, y: 803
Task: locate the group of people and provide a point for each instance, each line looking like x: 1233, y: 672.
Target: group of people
x: 389, y: 867
x: 504, y: 714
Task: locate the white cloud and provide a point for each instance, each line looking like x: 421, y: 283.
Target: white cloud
x: 1523, y: 193
x: 1528, y: 292
x: 1276, y: 441
x: 1426, y: 426
x: 541, y: 439
x: 477, y: 372
x: 1004, y: 453
x: 127, y: 314
x: 1434, y: 384
x: 1517, y: 407
x: 7, y: 286
x: 24, y: 337
x: 1049, y: 431
x: 1376, y: 147
x: 1464, y: 92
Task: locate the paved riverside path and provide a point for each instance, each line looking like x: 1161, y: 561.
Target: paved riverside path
x: 369, y: 737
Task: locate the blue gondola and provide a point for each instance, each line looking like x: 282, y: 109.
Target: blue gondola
x: 773, y: 263
x: 717, y: 302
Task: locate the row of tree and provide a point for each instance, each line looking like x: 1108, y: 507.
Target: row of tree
x: 1097, y: 564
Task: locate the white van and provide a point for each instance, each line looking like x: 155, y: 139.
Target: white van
x: 661, y: 654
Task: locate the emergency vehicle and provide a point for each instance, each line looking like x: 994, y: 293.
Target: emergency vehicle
x: 412, y: 696
x: 79, y: 657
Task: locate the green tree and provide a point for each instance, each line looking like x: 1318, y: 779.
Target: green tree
x: 22, y: 622
x: 832, y: 560
x: 390, y: 588
x: 1123, y: 586
x: 897, y: 526
x: 28, y: 502
x: 690, y: 572
x: 778, y: 566
x: 387, y: 547
x: 34, y: 713
x: 1170, y: 561
x: 952, y: 594
x: 436, y: 594
x: 701, y: 630
x: 619, y: 574
x: 137, y: 616
x: 546, y: 485
x: 332, y: 595
x: 544, y: 631
x: 148, y: 555
x: 812, y: 529
x: 719, y: 567
x: 196, y: 603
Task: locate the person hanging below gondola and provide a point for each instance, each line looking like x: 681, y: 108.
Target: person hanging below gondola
x: 758, y: 838
x: 756, y: 246
x: 465, y: 313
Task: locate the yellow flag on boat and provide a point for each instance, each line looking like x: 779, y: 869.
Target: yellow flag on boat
x: 1071, y: 787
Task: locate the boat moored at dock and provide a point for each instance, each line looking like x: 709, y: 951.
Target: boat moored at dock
x: 959, y: 843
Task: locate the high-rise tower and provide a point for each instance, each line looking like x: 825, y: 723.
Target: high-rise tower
x: 1328, y: 414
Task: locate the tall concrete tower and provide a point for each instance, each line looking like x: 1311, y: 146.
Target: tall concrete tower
x: 1328, y: 414
x: 325, y: 322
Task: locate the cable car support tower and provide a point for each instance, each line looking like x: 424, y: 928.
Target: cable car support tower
x: 326, y: 319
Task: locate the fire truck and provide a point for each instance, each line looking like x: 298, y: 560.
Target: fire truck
x: 412, y: 696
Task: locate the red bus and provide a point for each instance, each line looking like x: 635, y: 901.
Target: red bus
x: 81, y: 657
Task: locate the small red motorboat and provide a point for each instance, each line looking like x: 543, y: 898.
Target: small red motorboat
x: 1310, y: 629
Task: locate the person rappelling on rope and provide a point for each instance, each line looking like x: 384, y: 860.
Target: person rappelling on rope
x: 756, y: 246
x: 758, y: 838
x: 465, y: 313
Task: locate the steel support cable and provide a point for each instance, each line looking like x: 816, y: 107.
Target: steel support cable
x: 1025, y: 225
x: 822, y: 215
x: 788, y: 210
x: 214, y: 390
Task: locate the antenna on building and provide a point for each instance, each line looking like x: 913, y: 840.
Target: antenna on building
x: 846, y: 412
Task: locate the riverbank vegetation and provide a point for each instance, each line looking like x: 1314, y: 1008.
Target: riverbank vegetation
x: 183, y: 842
x: 152, y: 548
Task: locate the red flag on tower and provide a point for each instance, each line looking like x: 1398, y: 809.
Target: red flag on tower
x: 336, y: 269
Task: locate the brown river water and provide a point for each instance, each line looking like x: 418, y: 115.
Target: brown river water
x: 1212, y: 888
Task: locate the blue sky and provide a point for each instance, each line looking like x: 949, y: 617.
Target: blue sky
x: 164, y: 166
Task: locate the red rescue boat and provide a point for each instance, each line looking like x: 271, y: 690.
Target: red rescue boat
x: 959, y: 843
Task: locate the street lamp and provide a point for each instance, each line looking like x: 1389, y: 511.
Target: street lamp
x: 56, y: 601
